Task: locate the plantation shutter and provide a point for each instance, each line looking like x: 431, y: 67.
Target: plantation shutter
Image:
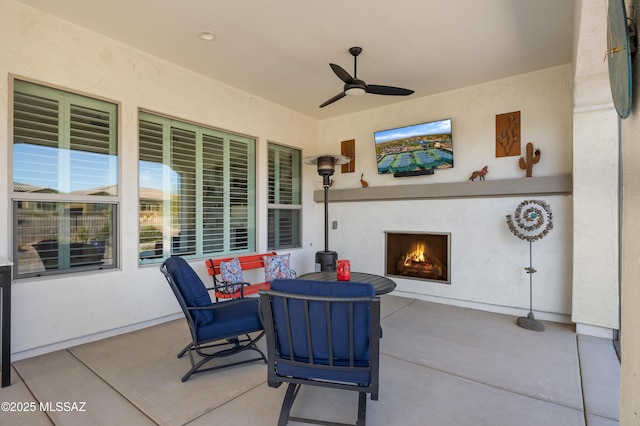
x: 239, y: 195
x: 36, y: 128
x: 92, y: 153
x: 183, y: 194
x: 64, y: 142
x: 208, y: 182
x: 283, y: 197
x: 153, y: 178
x: 213, y: 195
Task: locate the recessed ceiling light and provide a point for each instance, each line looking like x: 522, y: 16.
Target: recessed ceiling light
x: 206, y: 35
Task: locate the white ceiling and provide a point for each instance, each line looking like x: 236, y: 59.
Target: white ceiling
x: 280, y: 50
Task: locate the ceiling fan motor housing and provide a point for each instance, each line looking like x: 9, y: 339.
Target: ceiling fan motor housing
x: 355, y: 88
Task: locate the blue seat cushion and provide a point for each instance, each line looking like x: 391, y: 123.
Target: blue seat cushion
x: 191, y: 287
x: 318, y: 326
x: 230, y: 319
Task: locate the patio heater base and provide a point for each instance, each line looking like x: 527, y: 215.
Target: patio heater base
x: 326, y: 260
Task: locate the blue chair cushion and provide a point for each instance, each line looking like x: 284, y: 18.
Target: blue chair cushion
x: 340, y: 331
x: 191, y: 287
x: 230, y: 319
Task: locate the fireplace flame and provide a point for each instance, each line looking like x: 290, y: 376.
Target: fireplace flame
x: 423, y: 256
x: 417, y: 255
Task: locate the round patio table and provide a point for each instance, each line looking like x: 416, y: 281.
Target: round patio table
x: 382, y: 285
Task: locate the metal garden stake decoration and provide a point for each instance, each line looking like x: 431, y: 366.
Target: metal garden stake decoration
x: 531, y: 222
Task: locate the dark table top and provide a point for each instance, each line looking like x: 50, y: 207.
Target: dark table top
x: 382, y: 285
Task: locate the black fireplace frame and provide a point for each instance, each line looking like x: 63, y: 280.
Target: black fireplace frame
x: 448, y: 254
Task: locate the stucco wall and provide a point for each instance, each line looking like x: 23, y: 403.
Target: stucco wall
x: 595, y: 219
x: 630, y: 339
x: 630, y: 332
x: 487, y: 261
x: 596, y: 170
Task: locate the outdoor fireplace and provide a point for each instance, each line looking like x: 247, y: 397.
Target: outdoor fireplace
x: 418, y: 255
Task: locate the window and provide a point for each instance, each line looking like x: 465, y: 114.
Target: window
x: 284, y: 198
x: 65, y: 181
x: 197, y: 190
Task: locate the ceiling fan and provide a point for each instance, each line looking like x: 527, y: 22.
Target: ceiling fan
x: 356, y: 87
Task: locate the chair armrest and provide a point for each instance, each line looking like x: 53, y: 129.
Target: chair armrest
x: 201, y: 308
x: 196, y: 315
x: 226, y: 284
x: 242, y: 285
x: 221, y: 284
x: 211, y: 307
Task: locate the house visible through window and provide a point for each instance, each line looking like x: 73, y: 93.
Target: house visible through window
x: 284, y: 205
x: 65, y: 181
x: 196, y: 189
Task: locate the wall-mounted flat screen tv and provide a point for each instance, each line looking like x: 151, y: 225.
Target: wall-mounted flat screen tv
x: 414, y: 150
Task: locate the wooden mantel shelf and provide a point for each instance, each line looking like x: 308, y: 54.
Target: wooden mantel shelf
x: 545, y: 185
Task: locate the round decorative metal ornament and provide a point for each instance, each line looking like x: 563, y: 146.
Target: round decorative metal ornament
x: 531, y: 221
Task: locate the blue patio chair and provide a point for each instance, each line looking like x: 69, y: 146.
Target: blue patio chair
x: 322, y: 334
x: 218, y: 330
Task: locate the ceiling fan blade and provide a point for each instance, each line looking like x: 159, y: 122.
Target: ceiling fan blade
x: 341, y: 73
x: 332, y: 100
x: 387, y: 90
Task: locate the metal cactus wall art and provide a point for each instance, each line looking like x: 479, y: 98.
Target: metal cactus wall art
x: 531, y: 159
x: 508, y: 134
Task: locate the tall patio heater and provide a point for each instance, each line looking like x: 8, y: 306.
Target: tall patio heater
x: 326, y: 166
